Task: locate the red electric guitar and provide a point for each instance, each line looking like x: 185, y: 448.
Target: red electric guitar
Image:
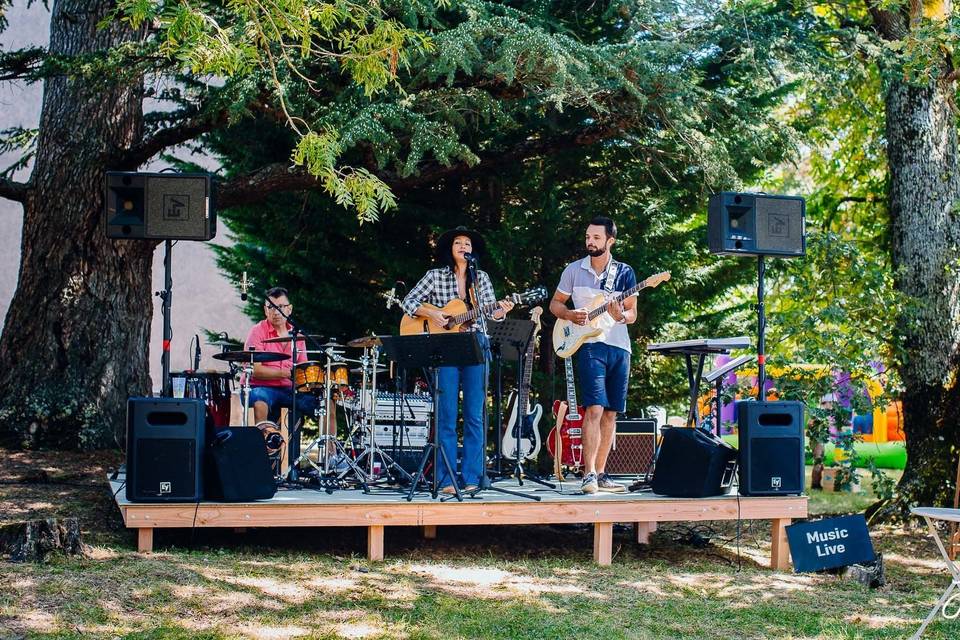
x: 566, y: 435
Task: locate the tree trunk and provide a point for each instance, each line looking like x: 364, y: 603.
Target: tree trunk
x: 74, y: 344
x: 924, y: 192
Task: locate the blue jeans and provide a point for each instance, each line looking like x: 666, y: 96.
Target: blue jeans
x: 450, y: 381
x: 278, y: 397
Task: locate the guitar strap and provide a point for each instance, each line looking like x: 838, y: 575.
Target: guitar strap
x: 611, y: 276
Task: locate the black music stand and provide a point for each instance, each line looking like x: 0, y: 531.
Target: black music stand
x: 508, y: 341
x: 431, y: 351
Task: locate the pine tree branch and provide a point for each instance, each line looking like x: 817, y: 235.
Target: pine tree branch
x: 185, y: 131
x: 12, y: 190
x: 273, y: 178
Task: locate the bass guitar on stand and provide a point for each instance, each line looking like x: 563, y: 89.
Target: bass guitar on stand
x: 521, y: 438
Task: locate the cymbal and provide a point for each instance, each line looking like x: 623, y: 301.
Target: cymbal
x: 250, y: 356
x: 365, y: 342
x: 300, y: 338
x: 224, y: 343
x: 360, y: 370
x: 333, y: 343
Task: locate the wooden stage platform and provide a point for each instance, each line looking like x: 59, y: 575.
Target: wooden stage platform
x: 385, y: 508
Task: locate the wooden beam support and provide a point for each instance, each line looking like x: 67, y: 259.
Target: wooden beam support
x: 430, y: 531
x: 145, y: 539
x: 375, y: 542
x: 603, y: 543
x: 779, y: 549
x: 643, y: 531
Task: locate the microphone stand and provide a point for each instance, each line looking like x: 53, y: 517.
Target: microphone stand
x: 485, y: 484
x: 293, y: 443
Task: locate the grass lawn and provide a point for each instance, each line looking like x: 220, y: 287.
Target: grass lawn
x: 471, y: 582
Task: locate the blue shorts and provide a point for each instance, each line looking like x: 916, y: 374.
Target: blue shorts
x: 603, y: 372
x: 278, y: 397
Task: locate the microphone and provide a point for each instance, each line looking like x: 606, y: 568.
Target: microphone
x: 469, y: 257
x: 391, y: 296
x: 196, y: 354
x: 244, y: 285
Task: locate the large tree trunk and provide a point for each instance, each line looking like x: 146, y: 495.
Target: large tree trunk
x: 924, y: 193
x: 74, y: 343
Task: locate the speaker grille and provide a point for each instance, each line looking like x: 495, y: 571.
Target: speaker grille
x: 177, y: 207
x: 166, y: 468
x: 773, y: 467
x: 779, y: 225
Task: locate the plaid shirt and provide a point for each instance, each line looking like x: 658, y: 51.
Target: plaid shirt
x: 439, y: 286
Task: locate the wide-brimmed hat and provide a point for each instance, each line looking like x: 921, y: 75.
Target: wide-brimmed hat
x: 445, y: 242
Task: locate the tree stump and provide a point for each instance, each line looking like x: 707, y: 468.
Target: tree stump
x: 34, y: 540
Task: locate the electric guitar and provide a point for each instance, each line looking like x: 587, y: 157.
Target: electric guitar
x: 458, y: 314
x: 567, y: 337
x: 564, y: 442
x: 521, y: 420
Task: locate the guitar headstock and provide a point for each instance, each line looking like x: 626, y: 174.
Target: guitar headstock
x: 656, y: 279
x: 535, y: 314
x: 530, y: 296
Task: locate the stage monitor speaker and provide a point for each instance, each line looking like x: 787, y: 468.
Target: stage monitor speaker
x: 771, y: 448
x: 237, y: 467
x: 164, y: 449
x: 693, y: 463
x: 634, y: 447
x: 756, y: 224
x: 159, y: 206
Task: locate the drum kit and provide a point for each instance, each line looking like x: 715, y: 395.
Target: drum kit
x: 359, y: 458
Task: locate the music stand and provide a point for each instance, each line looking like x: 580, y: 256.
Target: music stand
x: 432, y: 351
x: 508, y: 340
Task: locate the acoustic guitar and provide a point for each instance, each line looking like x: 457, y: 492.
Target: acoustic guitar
x: 567, y: 336
x: 458, y: 314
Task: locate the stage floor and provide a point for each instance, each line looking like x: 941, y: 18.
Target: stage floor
x: 384, y: 507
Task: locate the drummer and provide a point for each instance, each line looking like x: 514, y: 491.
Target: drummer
x: 271, y: 386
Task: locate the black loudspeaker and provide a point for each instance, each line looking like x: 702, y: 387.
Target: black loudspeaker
x: 634, y: 447
x: 159, y: 206
x: 693, y: 463
x: 771, y: 448
x: 756, y: 225
x: 164, y: 449
x: 237, y: 467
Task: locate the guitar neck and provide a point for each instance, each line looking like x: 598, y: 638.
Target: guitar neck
x: 621, y: 295
x: 523, y: 399
x: 472, y: 314
x: 572, y: 413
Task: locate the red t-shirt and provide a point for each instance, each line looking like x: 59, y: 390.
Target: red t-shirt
x: 255, y: 340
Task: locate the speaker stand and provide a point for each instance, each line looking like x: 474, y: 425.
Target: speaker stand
x: 761, y: 331
x: 166, y: 296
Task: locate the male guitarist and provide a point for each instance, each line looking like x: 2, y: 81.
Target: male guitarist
x: 603, y: 362
x: 438, y: 287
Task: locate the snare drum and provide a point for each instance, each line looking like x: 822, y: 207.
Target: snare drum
x: 308, y: 375
x: 213, y: 387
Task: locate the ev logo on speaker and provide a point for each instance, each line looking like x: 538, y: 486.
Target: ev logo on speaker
x: 778, y: 225
x: 175, y: 207
x: 165, y: 488
x: 775, y: 482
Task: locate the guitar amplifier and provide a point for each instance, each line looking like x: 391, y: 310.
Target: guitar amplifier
x: 634, y: 447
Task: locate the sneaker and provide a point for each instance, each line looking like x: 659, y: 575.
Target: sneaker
x: 604, y: 483
x: 589, y: 484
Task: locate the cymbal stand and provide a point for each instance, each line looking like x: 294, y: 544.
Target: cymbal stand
x: 371, y: 356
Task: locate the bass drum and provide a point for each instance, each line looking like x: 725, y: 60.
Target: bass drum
x: 213, y: 387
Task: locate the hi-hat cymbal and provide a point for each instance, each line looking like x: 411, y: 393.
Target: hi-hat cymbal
x: 360, y: 370
x: 225, y: 343
x: 250, y: 356
x: 333, y: 343
x: 300, y: 338
x: 365, y: 342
